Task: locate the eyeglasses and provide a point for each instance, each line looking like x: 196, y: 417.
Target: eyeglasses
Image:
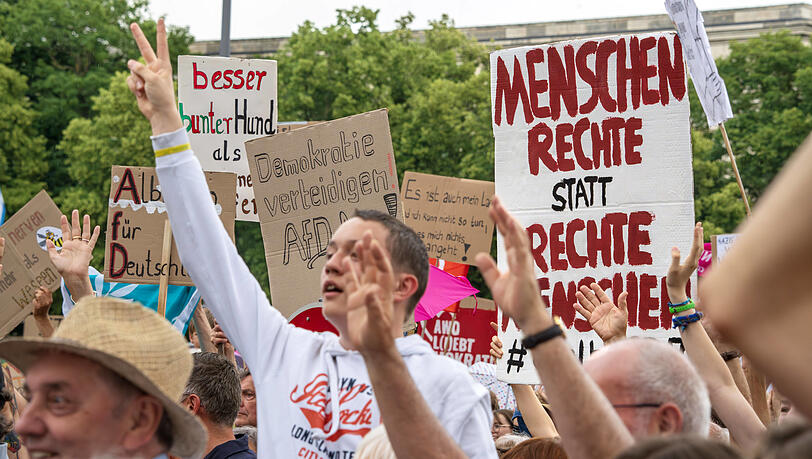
x: 637, y: 405
x: 501, y: 426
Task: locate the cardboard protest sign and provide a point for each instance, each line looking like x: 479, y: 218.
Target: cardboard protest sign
x: 465, y: 336
x: 223, y: 102
x: 310, y: 180
x: 135, y: 225
x: 593, y: 156
x: 721, y: 244
x: 449, y: 214
x: 710, y: 87
x: 26, y: 265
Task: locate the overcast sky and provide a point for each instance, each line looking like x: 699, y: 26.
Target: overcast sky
x: 258, y: 18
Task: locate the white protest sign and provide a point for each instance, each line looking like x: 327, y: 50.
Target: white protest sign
x: 721, y: 245
x: 593, y: 156
x: 710, y: 87
x: 223, y: 102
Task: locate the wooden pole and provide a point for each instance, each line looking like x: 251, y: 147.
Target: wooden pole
x: 166, y: 256
x: 735, y: 169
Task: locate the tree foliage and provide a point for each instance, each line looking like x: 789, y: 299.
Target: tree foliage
x: 769, y: 82
x: 23, y: 164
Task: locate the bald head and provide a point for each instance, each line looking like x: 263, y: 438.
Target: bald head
x: 653, y: 387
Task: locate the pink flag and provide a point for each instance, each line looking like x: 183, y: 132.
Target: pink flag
x: 443, y: 289
x: 705, y: 260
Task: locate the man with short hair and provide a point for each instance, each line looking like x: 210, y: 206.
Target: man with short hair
x: 315, y: 391
x: 136, y: 364
x: 213, y: 395
x: 247, y: 416
x: 654, y: 389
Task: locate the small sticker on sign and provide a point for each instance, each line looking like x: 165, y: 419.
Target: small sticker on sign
x: 49, y: 233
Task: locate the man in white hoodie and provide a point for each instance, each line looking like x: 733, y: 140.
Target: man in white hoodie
x: 315, y: 391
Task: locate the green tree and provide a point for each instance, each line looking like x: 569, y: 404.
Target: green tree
x: 69, y: 50
x: 116, y: 133
x: 23, y: 164
x: 769, y: 82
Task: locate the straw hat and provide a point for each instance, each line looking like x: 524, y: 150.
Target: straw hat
x: 133, y: 342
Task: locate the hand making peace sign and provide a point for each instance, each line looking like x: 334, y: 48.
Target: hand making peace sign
x: 151, y: 83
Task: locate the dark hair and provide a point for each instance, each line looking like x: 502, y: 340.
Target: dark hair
x: 214, y: 379
x: 494, y: 401
x: 406, y: 249
x: 679, y: 447
x: 791, y: 439
x: 537, y: 448
x: 244, y: 373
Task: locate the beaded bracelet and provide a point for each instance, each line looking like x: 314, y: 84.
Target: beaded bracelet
x: 682, y: 307
x: 683, y: 321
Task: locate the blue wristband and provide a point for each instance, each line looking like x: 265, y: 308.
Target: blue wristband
x: 683, y: 321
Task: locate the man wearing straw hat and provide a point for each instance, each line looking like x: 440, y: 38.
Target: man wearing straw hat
x: 106, y: 384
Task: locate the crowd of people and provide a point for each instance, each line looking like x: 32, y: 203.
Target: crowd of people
x: 115, y: 379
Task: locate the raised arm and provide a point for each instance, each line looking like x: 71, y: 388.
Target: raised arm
x: 588, y: 424
x: 404, y: 412
x: 206, y: 251
x: 726, y: 399
x: 538, y: 422
x: 42, y: 303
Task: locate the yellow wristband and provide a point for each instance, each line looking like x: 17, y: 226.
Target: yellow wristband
x: 170, y: 150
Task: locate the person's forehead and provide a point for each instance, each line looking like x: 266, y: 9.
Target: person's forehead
x: 61, y: 368
x: 247, y: 382
x: 353, y: 230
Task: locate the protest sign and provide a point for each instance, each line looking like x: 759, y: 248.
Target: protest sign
x: 310, y: 180
x: 449, y: 214
x: 722, y: 244
x: 26, y: 264
x: 135, y: 225
x: 465, y: 336
x: 223, y: 102
x: 710, y: 87
x: 593, y: 156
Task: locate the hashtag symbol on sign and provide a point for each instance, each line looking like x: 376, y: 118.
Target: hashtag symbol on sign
x: 515, y: 351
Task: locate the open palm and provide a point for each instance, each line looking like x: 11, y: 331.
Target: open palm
x: 608, y: 321
x: 77, y: 246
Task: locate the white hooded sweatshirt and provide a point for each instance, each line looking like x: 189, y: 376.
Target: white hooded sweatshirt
x: 314, y: 398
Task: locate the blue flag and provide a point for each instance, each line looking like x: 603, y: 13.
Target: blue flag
x: 180, y: 301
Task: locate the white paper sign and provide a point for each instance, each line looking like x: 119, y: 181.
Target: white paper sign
x: 722, y: 245
x: 593, y: 156
x: 223, y: 102
x: 709, y: 85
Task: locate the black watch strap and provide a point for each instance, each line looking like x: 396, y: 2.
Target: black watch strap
x: 553, y: 331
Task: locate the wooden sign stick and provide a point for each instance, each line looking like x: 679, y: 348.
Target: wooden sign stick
x: 166, y: 255
x: 735, y: 169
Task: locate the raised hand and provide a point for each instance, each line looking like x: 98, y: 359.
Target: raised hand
x: 608, y: 321
x: 678, y: 274
x: 42, y: 302
x: 151, y: 82
x: 496, y: 343
x: 77, y: 247
x: 369, y: 297
x: 516, y: 290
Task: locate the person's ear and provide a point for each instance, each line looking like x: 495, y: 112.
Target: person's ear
x: 405, y: 287
x: 144, y: 418
x: 667, y: 419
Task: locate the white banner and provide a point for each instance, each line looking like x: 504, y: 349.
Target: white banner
x: 710, y: 87
x: 593, y: 156
x: 223, y: 102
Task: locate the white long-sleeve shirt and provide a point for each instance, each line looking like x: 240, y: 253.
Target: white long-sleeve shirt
x: 314, y: 398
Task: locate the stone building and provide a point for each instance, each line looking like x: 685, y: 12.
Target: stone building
x: 723, y: 26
